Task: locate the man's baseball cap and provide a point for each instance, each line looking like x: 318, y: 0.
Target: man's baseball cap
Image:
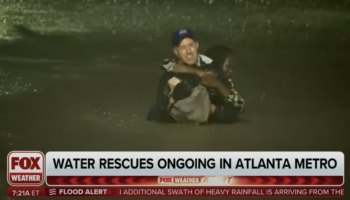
x: 179, y: 35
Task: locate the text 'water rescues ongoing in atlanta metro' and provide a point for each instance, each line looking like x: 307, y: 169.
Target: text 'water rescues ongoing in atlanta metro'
x: 194, y: 163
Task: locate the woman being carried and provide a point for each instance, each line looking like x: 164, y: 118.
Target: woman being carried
x: 182, y: 97
x: 227, y: 107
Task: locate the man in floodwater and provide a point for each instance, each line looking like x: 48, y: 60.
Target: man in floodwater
x: 189, y: 71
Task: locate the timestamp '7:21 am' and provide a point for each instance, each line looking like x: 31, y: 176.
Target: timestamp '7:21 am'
x: 25, y: 193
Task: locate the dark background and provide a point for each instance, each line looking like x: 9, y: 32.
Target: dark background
x: 81, y: 75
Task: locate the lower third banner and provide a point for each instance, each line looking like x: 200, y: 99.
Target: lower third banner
x: 175, y: 192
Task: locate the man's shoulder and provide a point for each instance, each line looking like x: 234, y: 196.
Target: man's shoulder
x: 205, y: 59
x: 205, y: 63
x: 168, y: 64
x: 168, y: 60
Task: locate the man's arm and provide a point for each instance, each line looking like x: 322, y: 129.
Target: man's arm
x: 181, y: 68
x: 176, y: 67
x: 207, y: 78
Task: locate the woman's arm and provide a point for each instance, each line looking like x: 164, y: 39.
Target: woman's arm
x: 171, y: 65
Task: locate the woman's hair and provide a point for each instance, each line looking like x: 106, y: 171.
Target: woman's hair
x: 219, y: 53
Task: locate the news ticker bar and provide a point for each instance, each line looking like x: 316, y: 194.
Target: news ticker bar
x: 195, y: 180
x: 175, y: 192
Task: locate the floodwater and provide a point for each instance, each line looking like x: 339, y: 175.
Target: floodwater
x: 94, y: 96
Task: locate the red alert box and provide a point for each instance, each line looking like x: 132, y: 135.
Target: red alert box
x: 25, y: 168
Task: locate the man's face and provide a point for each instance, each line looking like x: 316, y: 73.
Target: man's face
x: 187, y: 51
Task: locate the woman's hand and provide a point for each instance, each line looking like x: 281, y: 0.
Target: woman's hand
x: 209, y: 79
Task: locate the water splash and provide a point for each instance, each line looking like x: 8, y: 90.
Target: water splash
x: 11, y: 85
x: 114, y: 118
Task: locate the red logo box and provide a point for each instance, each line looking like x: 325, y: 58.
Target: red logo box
x: 25, y: 168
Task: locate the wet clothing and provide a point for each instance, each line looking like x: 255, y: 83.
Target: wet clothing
x: 159, y: 111
x: 226, y: 109
x: 194, y: 107
x: 188, y: 102
x: 206, y: 63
